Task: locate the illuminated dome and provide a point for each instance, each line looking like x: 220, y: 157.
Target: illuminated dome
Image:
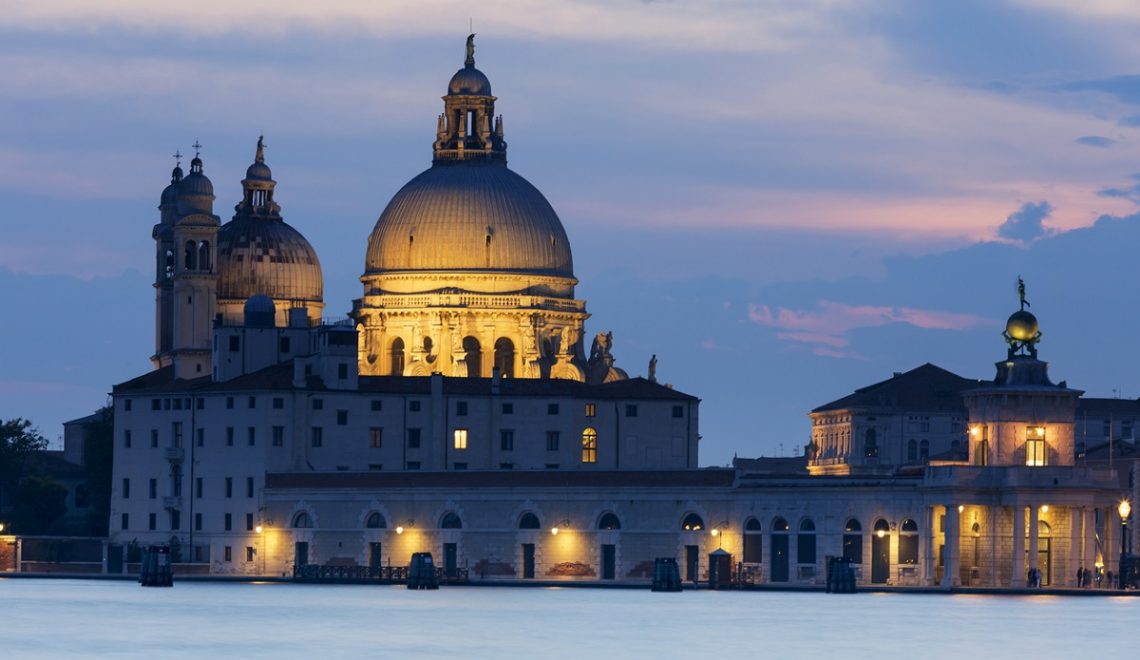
x: 471, y: 216
x: 268, y: 257
x: 1022, y: 326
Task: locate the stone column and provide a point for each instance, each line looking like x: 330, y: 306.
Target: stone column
x: 926, y: 541
x: 1034, y: 524
x: 951, y: 573
x: 1089, y: 556
x: 1076, y: 520
x: 1017, y: 558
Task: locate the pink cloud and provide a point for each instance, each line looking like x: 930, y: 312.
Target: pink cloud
x: 825, y: 328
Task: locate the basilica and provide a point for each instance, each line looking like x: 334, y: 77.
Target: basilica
x: 463, y: 409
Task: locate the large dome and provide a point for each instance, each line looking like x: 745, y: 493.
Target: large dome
x: 469, y: 216
x: 266, y: 257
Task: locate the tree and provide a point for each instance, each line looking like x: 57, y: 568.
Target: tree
x: 18, y: 442
x: 39, y: 502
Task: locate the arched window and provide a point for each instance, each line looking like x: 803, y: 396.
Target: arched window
x: 882, y: 527
x: 375, y: 521
x: 529, y: 521
x: 609, y: 521
x: 302, y: 520
x: 779, y: 525
x: 908, y: 542
x: 450, y: 521
x: 853, y: 541
x: 753, y: 542
x: 188, y: 261
x: 805, y: 542
x: 589, y: 445
x: 692, y: 523
x: 505, y: 357
x: 871, y: 444
x: 397, y: 368
x: 924, y: 450
x: 204, y: 256
x: 473, y: 356
x: 912, y: 450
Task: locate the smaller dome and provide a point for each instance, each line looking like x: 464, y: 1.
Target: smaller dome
x: 170, y: 192
x: 259, y: 172
x: 469, y: 81
x: 196, y: 183
x: 1022, y: 326
x: 260, y: 311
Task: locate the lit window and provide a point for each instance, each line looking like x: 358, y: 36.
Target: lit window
x: 591, y: 410
x: 589, y: 445
x: 1035, y: 453
x: 461, y: 438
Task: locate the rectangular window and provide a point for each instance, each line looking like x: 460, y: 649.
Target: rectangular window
x: 376, y: 466
x: 278, y: 436
x: 229, y: 436
x: 341, y: 417
x: 229, y: 403
x: 251, y: 436
x: 278, y: 403
x: 508, y: 408
x: 507, y: 440
x: 175, y: 520
x: 126, y: 489
x: 228, y: 553
x: 318, y: 436
x: 1107, y: 428
x: 413, y: 465
x: 376, y: 437
x: 377, y: 405
x: 284, y: 346
x: 201, y: 404
x: 249, y: 522
x: 342, y: 371
x: 413, y: 406
x: 1035, y: 450
x: 201, y: 437
x: 154, y: 438
x: 413, y: 438
x: 166, y: 404
x: 552, y: 409
x: 252, y: 402
x: 552, y: 441
x: 924, y: 427
x: 591, y: 410
x: 981, y: 436
x: 506, y: 466
x: 551, y: 466
x: 461, y: 408
x: 631, y: 410
x: 127, y: 439
x: 197, y: 522
x: 126, y: 405
x: 177, y: 435
x: 249, y: 553
x: 198, y: 487
x: 460, y: 466
x: 229, y: 486
x: 155, y: 404
x: 228, y: 522
x: 235, y: 343
x: 589, y: 446
x: 124, y: 521
x: 678, y: 412
x: 249, y: 486
x: 152, y: 489
x: 178, y: 404
x: 152, y: 522
x: 318, y: 404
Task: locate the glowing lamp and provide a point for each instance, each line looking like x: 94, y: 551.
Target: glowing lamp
x: 1124, y: 508
x: 554, y: 531
x: 400, y: 529
x: 1038, y: 431
x: 1044, y: 508
x: 881, y: 533
x: 975, y: 430
x: 714, y: 532
x: 961, y: 508
x: 1, y: 527
x: 259, y: 529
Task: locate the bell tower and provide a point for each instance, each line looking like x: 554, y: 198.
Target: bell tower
x: 193, y: 277
x: 163, y: 234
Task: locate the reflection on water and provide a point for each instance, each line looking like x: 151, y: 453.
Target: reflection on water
x: 53, y: 618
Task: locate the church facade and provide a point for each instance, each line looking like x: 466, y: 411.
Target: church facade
x: 458, y: 411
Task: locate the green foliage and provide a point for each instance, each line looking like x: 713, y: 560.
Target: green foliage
x: 39, y: 502
x: 18, y: 443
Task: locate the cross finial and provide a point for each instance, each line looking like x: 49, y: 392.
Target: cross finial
x: 177, y: 158
x: 197, y: 148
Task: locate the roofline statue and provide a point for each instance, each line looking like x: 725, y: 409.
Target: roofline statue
x: 470, y: 61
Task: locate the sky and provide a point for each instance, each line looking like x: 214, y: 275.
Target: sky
x: 783, y: 201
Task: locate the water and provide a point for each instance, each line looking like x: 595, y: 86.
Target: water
x: 69, y: 618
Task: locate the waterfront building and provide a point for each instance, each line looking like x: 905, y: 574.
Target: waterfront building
x: 457, y: 412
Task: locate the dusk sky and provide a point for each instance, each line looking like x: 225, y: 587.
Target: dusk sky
x: 782, y: 201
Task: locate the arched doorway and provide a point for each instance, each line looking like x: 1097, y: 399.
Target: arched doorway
x: 881, y: 552
x: 908, y: 543
x: 1044, y: 552
x: 853, y: 541
x: 753, y: 542
x: 473, y: 357
x: 779, y: 550
x: 505, y: 357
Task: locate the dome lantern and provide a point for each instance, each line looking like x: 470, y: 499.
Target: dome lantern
x: 464, y: 130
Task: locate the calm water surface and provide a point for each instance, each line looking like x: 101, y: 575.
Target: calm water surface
x: 69, y: 618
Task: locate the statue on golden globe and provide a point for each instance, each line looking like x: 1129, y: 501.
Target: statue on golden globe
x: 1021, y: 330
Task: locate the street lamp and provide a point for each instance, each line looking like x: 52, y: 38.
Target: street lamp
x: 1124, y: 508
